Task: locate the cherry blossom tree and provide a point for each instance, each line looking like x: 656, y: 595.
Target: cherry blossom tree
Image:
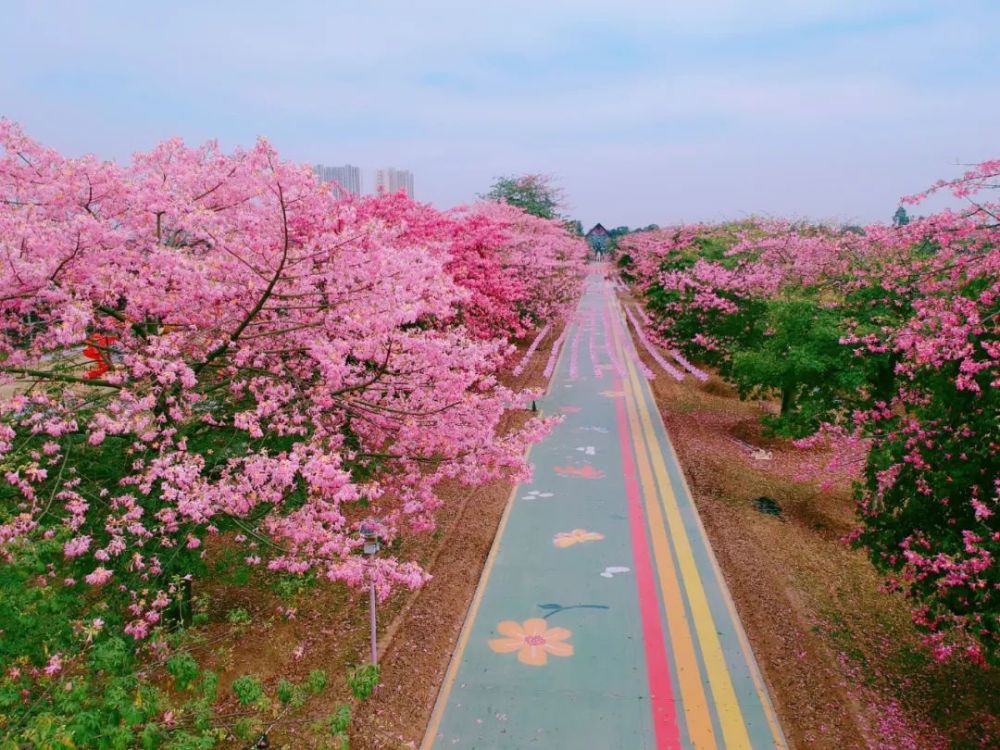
x: 887, y: 340
x: 202, y: 343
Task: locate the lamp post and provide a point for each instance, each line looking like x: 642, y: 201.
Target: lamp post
x: 369, y: 533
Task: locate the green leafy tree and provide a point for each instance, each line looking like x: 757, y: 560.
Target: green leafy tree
x: 900, y: 218
x: 533, y: 193
x: 798, y: 355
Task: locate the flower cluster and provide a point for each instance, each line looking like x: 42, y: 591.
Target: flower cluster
x: 886, y: 338
x: 275, y: 364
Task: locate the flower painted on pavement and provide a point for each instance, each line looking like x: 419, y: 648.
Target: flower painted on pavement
x: 533, y: 640
x: 576, y: 536
x: 583, y: 472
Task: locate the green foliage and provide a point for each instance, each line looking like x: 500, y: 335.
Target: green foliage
x: 341, y: 719
x: 339, y: 722
x: 186, y: 741
x: 31, y: 603
x: 798, y: 355
x: 246, y: 728
x: 248, y: 690
x: 209, y: 685
x: 111, y: 654
x: 231, y: 567
x: 290, y: 694
x: 787, y: 345
x: 289, y: 586
x: 238, y: 616
x: 285, y: 691
x: 886, y: 342
x: 108, y: 704
x: 105, y: 705
x: 363, y: 680
x: 183, y: 668
x: 923, y: 498
x: 316, y: 680
x: 532, y: 193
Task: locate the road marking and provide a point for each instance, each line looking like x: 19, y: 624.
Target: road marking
x: 695, y: 704
x: 661, y: 691
x: 726, y: 704
x: 694, y: 698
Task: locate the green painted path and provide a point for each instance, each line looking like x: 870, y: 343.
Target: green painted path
x: 601, y: 620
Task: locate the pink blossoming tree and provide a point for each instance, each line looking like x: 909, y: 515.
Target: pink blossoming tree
x: 272, y: 363
x: 885, y: 340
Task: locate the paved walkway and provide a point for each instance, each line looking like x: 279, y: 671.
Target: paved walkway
x: 601, y: 620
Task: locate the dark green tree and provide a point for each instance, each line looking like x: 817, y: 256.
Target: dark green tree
x: 798, y: 355
x: 534, y: 193
x: 900, y: 218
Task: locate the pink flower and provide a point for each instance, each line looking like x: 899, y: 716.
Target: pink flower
x: 54, y: 666
x: 76, y: 546
x: 99, y: 577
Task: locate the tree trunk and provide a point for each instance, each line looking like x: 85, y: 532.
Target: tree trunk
x: 786, y: 399
x: 885, y: 380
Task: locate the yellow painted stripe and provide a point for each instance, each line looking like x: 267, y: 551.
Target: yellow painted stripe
x: 779, y: 740
x: 727, y: 706
x: 692, y: 690
x: 758, y: 681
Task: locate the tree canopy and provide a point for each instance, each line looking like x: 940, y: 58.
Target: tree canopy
x: 533, y: 193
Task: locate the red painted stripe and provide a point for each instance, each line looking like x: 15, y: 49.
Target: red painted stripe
x: 657, y: 666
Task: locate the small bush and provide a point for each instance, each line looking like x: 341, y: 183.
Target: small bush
x: 363, y: 680
x: 248, y: 690
x: 238, y: 616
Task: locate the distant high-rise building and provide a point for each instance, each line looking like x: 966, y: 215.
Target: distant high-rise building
x: 347, y: 176
x: 393, y: 180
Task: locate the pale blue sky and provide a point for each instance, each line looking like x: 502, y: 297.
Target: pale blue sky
x: 656, y: 111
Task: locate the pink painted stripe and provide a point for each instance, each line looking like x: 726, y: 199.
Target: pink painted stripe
x: 554, y: 354
x: 676, y: 355
x: 608, y: 346
x: 574, y: 351
x: 657, y: 666
x: 682, y: 361
x: 657, y: 357
x: 592, y: 348
x: 531, y: 350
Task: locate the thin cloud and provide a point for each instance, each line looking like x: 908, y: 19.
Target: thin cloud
x: 647, y: 112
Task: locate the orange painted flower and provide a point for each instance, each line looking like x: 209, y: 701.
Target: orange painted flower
x: 583, y: 472
x: 576, y: 536
x: 570, y: 409
x: 533, y: 640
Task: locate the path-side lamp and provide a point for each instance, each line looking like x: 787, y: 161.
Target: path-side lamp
x: 369, y: 532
